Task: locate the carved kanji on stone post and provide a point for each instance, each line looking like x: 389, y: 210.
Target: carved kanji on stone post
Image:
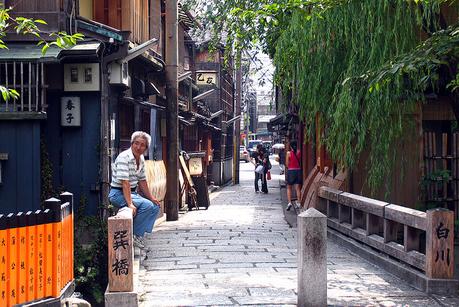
x: 440, y: 244
x: 120, y: 252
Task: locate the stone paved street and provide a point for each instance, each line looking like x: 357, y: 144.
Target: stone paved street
x: 242, y: 252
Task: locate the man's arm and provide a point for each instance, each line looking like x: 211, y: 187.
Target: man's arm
x: 127, y: 196
x: 253, y: 159
x: 146, y: 192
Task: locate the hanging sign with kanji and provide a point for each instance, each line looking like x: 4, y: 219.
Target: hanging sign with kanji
x: 70, y: 111
x: 206, y: 78
x: 195, y: 166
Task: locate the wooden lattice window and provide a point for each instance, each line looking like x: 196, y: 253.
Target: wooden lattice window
x: 27, y: 78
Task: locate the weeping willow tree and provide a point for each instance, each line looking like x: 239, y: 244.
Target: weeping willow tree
x: 360, y: 65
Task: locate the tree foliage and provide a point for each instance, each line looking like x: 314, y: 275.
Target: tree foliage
x: 361, y: 65
x: 27, y: 26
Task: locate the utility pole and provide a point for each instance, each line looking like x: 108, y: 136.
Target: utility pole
x: 172, y: 124
x: 237, y: 124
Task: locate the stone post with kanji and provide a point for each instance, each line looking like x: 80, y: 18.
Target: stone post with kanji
x: 120, y: 252
x: 440, y: 244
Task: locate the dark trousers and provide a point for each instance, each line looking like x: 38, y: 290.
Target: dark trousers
x: 264, y: 182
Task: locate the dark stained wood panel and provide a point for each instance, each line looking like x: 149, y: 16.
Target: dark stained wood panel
x: 114, y: 14
x: 101, y: 10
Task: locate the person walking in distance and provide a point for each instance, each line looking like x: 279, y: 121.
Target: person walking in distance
x: 294, y: 174
x: 282, y: 160
x: 259, y: 160
x: 128, y: 174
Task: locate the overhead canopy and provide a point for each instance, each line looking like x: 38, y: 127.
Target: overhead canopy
x: 282, y: 122
x: 184, y: 121
x: 144, y: 103
x: 29, y: 51
x: 212, y: 127
x: 203, y: 95
x: 90, y: 49
x: 265, y: 118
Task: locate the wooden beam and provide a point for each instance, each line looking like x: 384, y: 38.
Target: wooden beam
x: 22, y: 115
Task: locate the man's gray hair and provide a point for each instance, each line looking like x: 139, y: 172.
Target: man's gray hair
x: 141, y: 134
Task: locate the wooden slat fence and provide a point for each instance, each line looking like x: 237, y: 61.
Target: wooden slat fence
x: 441, y: 171
x: 36, y: 254
x: 424, y: 240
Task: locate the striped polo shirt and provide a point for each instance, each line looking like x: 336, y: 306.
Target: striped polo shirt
x: 125, y: 168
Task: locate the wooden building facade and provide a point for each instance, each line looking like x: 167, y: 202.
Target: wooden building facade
x: 115, y: 86
x: 112, y: 86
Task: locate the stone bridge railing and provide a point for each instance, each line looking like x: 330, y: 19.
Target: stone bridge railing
x: 423, y: 240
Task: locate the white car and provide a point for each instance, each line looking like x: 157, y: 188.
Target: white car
x: 244, y: 154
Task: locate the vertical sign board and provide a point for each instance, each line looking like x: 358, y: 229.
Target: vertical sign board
x: 120, y: 252
x: 67, y: 198
x: 40, y: 254
x: 48, y: 254
x: 64, y: 247
x: 12, y: 250
x: 56, y: 244
x: 70, y: 112
x: 22, y: 236
x: 67, y: 241
x: 57, y: 229
x: 440, y: 244
x: 3, y: 260
x: 31, y: 255
x: 72, y: 244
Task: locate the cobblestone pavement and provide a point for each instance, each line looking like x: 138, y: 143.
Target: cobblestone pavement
x: 242, y: 252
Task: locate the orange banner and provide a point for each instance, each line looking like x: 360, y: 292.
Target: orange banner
x: 12, y: 260
x: 57, y: 255
x: 40, y: 258
x: 31, y: 264
x: 3, y: 261
x: 36, y: 253
x: 22, y: 256
x: 49, y: 254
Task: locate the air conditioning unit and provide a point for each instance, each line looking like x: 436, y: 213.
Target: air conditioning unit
x: 119, y: 74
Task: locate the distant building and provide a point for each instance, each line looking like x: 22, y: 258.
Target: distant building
x: 265, y: 112
x: 251, y: 113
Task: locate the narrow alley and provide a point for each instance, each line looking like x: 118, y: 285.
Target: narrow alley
x: 242, y: 252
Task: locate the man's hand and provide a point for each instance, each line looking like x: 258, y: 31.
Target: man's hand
x: 133, y: 208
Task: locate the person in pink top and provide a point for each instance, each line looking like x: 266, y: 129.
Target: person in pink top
x: 294, y: 174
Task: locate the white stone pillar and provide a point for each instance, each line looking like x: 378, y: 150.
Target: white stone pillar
x: 312, y: 258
